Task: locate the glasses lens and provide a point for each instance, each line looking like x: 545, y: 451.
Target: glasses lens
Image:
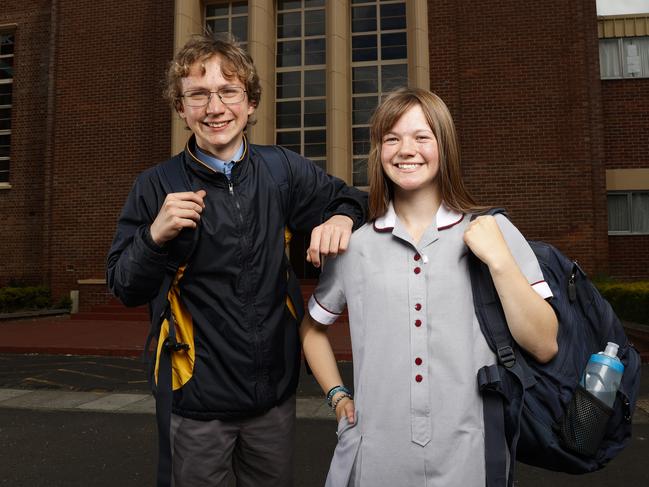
x: 196, y: 98
x: 231, y: 94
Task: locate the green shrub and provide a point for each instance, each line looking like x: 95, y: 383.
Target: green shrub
x: 24, y: 298
x: 630, y: 300
x: 64, y: 303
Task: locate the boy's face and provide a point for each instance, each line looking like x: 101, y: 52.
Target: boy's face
x: 218, y: 127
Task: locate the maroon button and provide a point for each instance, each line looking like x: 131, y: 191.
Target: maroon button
x: 417, y: 306
x: 417, y: 322
x: 419, y: 378
x: 418, y: 361
x: 417, y: 270
x: 417, y: 256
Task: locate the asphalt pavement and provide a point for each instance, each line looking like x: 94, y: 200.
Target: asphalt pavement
x: 88, y: 421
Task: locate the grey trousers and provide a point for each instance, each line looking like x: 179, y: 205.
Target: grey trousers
x: 254, y: 452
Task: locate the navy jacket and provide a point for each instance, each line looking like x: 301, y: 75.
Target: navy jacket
x: 246, y: 344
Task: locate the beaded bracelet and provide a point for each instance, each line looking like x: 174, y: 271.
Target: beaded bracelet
x: 342, y: 396
x: 334, y: 390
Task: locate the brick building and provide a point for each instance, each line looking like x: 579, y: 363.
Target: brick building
x: 545, y: 130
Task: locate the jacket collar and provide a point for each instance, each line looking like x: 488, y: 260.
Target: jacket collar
x: 206, y: 171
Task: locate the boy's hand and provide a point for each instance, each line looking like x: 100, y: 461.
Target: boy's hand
x: 179, y: 210
x: 330, y: 238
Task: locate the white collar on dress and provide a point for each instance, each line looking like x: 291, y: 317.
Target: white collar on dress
x: 445, y: 218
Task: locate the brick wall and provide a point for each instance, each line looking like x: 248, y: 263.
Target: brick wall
x: 523, y: 86
x: 111, y: 123
x: 22, y: 207
x: 626, y: 137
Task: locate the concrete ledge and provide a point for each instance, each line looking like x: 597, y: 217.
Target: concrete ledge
x: 57, y: 400
x: 33, y: 314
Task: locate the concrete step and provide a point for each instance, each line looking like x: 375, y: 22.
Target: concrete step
x: 125, y: 315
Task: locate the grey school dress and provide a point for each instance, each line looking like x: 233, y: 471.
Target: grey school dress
x: 417, y: 347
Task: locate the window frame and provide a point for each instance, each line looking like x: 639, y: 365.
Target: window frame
x: 9, y: 81
x: 303, y: 67
x: 622, y: 65
x: 629, y: 197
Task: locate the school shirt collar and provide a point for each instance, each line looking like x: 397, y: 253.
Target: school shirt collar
x: 445, y: 218
x: 220, y: 165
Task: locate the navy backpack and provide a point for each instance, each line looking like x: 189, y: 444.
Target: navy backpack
x: 540, y: 411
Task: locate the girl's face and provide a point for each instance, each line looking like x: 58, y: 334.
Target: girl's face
x: 409, y: 152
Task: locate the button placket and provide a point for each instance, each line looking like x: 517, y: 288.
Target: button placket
x: 419, y: 384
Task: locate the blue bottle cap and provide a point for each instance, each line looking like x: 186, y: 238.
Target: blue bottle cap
x: 612, y: 362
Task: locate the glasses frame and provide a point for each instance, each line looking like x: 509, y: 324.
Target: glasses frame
x: 184, y: 96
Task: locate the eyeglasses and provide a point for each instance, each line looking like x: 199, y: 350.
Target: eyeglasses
x: 228, y: 95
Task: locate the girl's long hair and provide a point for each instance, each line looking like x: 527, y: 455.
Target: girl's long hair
x: 452, y: 190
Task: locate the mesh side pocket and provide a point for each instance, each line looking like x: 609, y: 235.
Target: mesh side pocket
x: 584, y: 424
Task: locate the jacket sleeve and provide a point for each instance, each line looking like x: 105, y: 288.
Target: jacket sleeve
x: 136, y: 266
x: 317, y: 196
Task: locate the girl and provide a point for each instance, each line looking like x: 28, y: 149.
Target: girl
x: 416, y: 418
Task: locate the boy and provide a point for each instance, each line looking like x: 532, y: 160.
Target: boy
x: 235, y: 380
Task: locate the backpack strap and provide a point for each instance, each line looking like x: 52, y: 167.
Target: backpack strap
x: 502, y: 399
x: 174, y: 180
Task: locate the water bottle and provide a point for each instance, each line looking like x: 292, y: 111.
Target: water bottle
x: 603, y: 374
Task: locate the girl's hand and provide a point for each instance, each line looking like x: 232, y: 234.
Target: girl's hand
x: 486, y: 241
x: 345, y: 407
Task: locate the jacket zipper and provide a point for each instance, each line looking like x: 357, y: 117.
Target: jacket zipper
x: 258, y: 360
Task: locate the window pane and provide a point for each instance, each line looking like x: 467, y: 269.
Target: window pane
x: 609, y: 59
x: 314, y: 23
x: 6, y: 44
x: 314, y: 51
x: 362, y: 109
x: 359, y: 173
x: 288, y: 114
x: 315, y: 143
x: 618, y: 213
x: 393, y: 76
x: 5, y: 118
x: 315, y: 83
x: 314, y: 3
x: 288, y: 85
x: 6, y: 68
x: 240, y: 7
x: 289, y: 53
x: 216, y: 10
x: 290, y: 140
x: 365, y: 79
x: 5, y: 141
x: 393, y: 46
x: 364, y: 48
x: 640, y: 206
x: 361, y: 138
x: 289, y: 25
x: 364, y: 19
x: 393, y: 16
x: 240, y: 28
x: 635, y: 57
x: 314, y: 113
x: 288, y: 4
x: 5, y: 93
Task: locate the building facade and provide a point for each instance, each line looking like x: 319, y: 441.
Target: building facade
x: 544, y: 131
